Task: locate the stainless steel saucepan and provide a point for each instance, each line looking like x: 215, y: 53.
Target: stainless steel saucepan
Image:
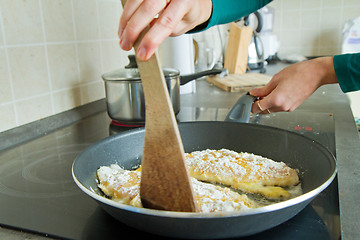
x: 124, y: 92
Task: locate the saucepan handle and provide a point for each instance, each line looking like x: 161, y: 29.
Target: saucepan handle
x: 187, y: 78
x: 240, y: 112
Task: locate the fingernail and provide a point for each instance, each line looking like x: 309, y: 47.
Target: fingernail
x: 125, y: 44
x: 141, y: 53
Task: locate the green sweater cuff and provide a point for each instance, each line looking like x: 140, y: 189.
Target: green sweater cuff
x: 347, y: 69
x: 226, y: 11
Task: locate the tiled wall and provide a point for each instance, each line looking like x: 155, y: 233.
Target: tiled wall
x: 52, y: 55
x: 312, y: 27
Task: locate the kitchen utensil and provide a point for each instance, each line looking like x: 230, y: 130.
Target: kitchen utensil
x: 165, y: 182
x: 256, y: 48
x: 125, y: 96
x: 239, y: 82
x: 316, y: 165
x: 236, y: 56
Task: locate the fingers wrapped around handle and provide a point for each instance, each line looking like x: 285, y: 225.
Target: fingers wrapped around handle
x: 165, y: 17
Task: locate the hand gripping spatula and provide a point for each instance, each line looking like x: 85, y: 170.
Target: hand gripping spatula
x: 165, y: 182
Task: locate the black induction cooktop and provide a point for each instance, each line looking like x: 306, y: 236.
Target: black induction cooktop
x: 37, y: 192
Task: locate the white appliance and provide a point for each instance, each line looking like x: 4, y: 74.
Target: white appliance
x: 270, y: 41
x: 178, y: 53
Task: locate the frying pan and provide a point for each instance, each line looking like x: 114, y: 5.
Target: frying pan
x: 316, y: 165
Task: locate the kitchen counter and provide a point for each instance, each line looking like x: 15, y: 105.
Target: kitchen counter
x: 327, y: 99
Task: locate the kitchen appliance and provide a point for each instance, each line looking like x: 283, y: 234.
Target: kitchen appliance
x: 269, y: 40
x: 38, y: 194
x: 256, y: 49
x: 125, y: 96
x: 178, y: 53
x: 205, y: 58
x: 316, y: 165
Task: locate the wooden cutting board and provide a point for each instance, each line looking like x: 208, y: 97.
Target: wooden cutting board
x: 239, y: 82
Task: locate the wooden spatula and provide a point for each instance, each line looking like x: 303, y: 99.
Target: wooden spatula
x: 165, y: 182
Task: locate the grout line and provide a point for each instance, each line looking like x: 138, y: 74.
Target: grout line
x: 340, y: 37
x: 100, y: 43
x: 99, y: 36
x: 73, y: 20
x: 56, y: 43
x: 47, y: 58
x: 320, y: 17
x: 85, y: 84
x: 77, y: 56
x: 26, y: 98
x: 10, y: 77
x: 76, y: 42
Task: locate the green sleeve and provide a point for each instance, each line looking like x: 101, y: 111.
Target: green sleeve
x: 347, y: 69
x: 226, y: 11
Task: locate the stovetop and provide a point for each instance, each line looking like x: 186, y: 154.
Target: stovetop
x: 37, y: 192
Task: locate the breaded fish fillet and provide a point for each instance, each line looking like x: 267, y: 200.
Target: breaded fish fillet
x: 124, y: 186
x: 243, y: 171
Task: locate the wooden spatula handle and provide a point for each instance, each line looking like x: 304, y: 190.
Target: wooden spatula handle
x: 165, y: 182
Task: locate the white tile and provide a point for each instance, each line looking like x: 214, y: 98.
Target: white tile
x: 351, y: 2
x: 329, y: 38
x: 112, y: 56
x: 33, y: 109
x: 63, y: 65
x: 92, y: 92
x: 330, y: 18
x: 291, y: 20
x: 349, y: 12
x: 291, y: 5
x: 66, y: 99
x: 310, y: 38
x: 307, y: 4
x: 109, y: 16
x: 5, y: 89
x: 58, y: 20
x: 291, y: 38
x: 310, y: 19
x: 29, y: 71
x: 7, y: 117
x: 86, y: 19
x: 89, y: 61
x: 22, y: 21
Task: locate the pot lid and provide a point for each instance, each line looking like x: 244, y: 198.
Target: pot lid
x: 131, y: 72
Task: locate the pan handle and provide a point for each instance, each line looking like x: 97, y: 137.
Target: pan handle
x: 187, y: 78
x: 240, y: 112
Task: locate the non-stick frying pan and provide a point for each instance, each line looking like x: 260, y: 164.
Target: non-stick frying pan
x: 316, y: 165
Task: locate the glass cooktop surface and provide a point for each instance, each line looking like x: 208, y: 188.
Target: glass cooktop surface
x: 38, y: 194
